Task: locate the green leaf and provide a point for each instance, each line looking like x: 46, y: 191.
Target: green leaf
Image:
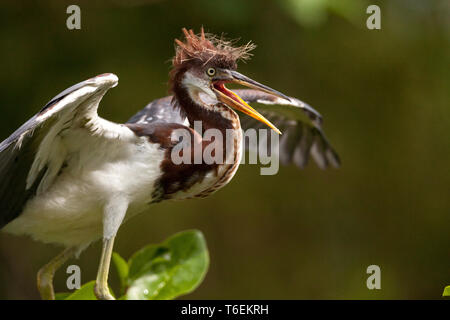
x: 122, y: 270
x: 86, y: 292
x: 62, y: 295
x: 166, y: 271
x: 446, y: 292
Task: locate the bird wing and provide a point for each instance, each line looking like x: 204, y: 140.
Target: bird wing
x: 300, y: 125
x: 34, y: 154
x: 159, y: 110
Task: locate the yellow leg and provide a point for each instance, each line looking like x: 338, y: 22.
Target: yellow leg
x: 46, y: 273
x: 101, y: 289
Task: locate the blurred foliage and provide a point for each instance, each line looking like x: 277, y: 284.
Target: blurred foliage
x: 309, y: 234
x: 446, y: 292
x: 312, y: 13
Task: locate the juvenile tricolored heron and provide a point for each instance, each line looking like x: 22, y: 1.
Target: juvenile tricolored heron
x: 69, y: 177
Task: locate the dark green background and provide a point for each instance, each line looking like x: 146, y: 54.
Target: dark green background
x: 309, y: 234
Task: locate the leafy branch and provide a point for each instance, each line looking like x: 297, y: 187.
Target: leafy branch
x: 157, y: 272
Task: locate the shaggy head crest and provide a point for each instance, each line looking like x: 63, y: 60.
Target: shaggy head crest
x: 207, y: 48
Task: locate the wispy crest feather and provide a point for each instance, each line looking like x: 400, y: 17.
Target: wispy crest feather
x: 206, y: 48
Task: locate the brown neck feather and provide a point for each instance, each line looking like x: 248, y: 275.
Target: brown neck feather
x: 195, y: 112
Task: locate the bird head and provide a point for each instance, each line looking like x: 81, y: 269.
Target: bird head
x: 204, y: 64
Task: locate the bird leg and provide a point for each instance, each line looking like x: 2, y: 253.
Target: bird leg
x: 101, y: 289
x: 113, y: 215
x: 46, y: 273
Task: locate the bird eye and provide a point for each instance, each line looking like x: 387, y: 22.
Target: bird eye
x: 211, y: 72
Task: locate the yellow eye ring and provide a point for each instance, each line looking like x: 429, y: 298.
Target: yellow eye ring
x: 211, y: 72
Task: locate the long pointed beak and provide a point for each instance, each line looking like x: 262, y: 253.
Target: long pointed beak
x: 246, y: 81
x: 233, y: 100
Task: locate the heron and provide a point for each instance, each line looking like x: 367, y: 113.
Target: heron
x: 70, y: 177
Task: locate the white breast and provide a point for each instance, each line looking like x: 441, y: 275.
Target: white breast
x: 70, y: 211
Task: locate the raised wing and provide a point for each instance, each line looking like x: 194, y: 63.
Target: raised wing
x: 34, y: 154
x: 300, y: 126
x: 159, y: 110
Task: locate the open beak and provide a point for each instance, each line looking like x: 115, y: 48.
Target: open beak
x: 233, y: 100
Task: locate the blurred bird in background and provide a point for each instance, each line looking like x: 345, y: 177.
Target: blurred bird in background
x: 69, y: 177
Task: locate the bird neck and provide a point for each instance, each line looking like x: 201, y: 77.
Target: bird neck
x: 212, y: 116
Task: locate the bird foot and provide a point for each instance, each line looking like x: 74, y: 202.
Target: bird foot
x: 102, y: 292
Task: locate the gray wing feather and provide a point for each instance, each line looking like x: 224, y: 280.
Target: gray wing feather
x: 301, y: 127
x: 18, y: 151
x: 32, y: 123
x: 158, y: 110
x: 63, y: 94
x: 15, y: 164
x: 300, y: 123
x: 17, y: 154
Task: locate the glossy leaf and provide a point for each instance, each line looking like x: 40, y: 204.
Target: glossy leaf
x: 86, y: 292
x: 62, y: 295
x: 166, y: 271
x: 122, y: 270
